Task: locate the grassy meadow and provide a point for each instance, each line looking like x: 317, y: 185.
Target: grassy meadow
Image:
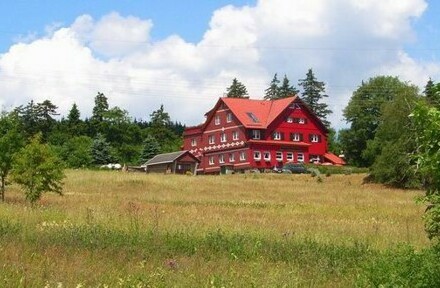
x: 115, y: 229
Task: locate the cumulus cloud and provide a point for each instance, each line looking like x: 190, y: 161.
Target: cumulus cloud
x: 344, y: 41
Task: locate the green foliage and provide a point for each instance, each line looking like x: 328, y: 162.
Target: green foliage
x: 394, y: 142
x: 401, y: 267
x: 100, y: 108
x: 150, y: 149
x: 271, y: 92
x: 236, y: 90
x: 432, y: 93
x: 101, y: 150
x: 10, y: 142
x: 313, y: 94
x: 37, y: 169
x: 427, y: 123
x: 76, y: 152
x: 160, y: 129
x: 364, y: 113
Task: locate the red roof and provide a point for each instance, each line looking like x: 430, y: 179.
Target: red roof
x: 334, y: 159
x: 264, y: 112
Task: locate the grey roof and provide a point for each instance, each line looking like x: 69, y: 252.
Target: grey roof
x: 165, y: 158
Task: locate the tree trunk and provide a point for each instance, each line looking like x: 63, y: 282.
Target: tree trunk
x: 2, y: 189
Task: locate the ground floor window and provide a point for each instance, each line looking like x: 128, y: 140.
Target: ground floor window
x: 300, y: 157
x: 211, y: 160
x: 257, y: 155
x: 289, y: 156
x: 232, y: 157
x: 221, y: 158
x: 279, y: 156
x: 266, y: 155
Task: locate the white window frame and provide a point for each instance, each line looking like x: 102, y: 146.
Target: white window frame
x: 289, y: 120
x: 289, y: 156
x: 296, y: 137
x: 279, y: 156
x: 235, y: 135
x: 300, y: 157
x: 229, y: 117
x: 257, y: 155
x: 211, y: 139
x: 193, y: 142
x: 232, y: 157
x: 256, y: 134
x: 314, y: 138
x: 301, y: 121
x: 266, y: 155
x: 242, y: 156
x: 217, y: 120
x: 221, y: 158
x: 211, y: 160
x: 276, y: 135
x: 223, y: 137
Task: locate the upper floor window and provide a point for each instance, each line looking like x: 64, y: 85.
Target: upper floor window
x: 232, y: 157
x: 223, y: 137
x: 229, y: 117
x: 193, y: 142
x: 211, y: 160
x: 301, y: 121
x: 289, y: 120
x: 221, y: 158
x: 296, y: 137
x: 256, y: 134
x: 314, y: 138
x: 234, y: 135
x: 242, y: 156
x: 277, y: 135
x: 217, y: 120
x: 211, y: 139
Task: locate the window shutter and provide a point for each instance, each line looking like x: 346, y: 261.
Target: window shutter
x: 305, y: 120
x: 273, y: 136
x: 282, y: 136
x: 291, y: 136
x: 301, y: 138
x: 310, y: 137
x: 319, y: 138
x: 249, y: 132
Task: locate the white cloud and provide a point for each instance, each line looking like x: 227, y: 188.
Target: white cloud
x: 343, y: 41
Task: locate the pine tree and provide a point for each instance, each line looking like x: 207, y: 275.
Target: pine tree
x: 73, y: 118
x: 432, y: 93
x: 286, y: 90
x: 271, y: 93
x: 150, y: 149
x: 313, y: 94
x: 100, y: 108
x: 236, y: 90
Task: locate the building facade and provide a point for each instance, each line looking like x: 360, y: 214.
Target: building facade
x: 246, y: 134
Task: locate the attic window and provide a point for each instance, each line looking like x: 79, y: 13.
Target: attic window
x: 253, y: 117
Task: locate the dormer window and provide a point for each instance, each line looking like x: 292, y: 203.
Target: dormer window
x: 289, y: 120
x: 302, y: 121
x: 256, y: 134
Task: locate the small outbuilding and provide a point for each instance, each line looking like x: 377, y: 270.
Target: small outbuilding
x: 179, y: 162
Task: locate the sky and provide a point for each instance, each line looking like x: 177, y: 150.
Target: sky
x: 184, y: 54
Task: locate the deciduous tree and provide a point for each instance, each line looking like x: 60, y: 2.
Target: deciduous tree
x: 37, y: 169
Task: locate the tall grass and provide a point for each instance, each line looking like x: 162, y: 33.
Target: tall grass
x: 128, y: 229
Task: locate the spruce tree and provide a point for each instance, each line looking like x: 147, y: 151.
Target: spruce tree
x: 73, y: 118
x: 150, y: 149
x: 101, y: 150
x: 313, y: 94
x: 236, y: 90
x: 271, y: 93
x: 286, y: 90
x: 100, y: 108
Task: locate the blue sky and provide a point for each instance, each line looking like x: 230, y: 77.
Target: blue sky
x: 184, y: 54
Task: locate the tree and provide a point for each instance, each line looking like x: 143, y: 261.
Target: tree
x: 101, y: 150
x: 10, y: 142
x: 394, y: 141
x: 286, y: 90
x: 160, y: 128
x: 236, y: 90
x: 313, y: 94
x: 432, y: 93
x: 100, y: 108
x: 363, y: 113
x: 150, y: 149
x: 73, y: 118
x: 271, y: 93
x: 76, y: 152
x: 37, y: 169
x: 427, y: 123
